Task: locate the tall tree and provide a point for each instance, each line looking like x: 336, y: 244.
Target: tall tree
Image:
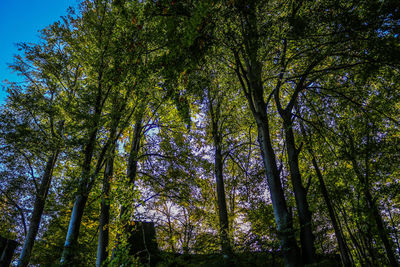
x: 48, y: 77
x: 98, y: 25
x: 214, y: 108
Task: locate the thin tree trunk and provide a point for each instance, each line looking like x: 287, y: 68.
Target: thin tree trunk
x: 215, y: 113
x: 170, y: 232
x: 283, y: 218
x: 374, y: 211
x: 343, y: 249
x: 251, y: 81
x: 38, y: 210
x: 381, y: 228
x: 396, y: 236
x: 133, y: 157
x: 344, y: 252
x: 306, y: 235
x: 102, y: 244
x: 222, y: 210
x: 373, y: 208
x: 103, y: 240
x: 131, y: 171
x: 357, y: 236
x: 71, y: 240
x: 358, y: 248
x: 135, y: 147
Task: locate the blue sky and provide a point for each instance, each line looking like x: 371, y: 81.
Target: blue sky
x: 20, y: 21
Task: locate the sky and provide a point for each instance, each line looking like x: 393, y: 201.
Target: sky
x: 20, y: 21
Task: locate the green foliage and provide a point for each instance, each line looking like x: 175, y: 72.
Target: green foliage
x: 182, y: 70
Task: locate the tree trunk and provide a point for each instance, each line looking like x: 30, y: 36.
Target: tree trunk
x: 222, y: 210
x: 102, y: 244
x: 362, y: 255
x: 252, y: 85
x: 7, y: 248
x: 394, y: 227
x: 131, y: 171
x: 103, y: 240
x: 374, y: 211
x: 71, y: 240
x: 283, y: 218
x: 344, y: 252
x: 38, y: 210
x: 135, y: 147
x: 215, y: 113
x: 381, y: 229
x: 306, y: 235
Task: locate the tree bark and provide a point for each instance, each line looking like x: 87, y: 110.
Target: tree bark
x: 306, y: 235
x: 373, y: 208
x: 135, y: 147
x: 7, y: 248
x: 131, y: 171
x: 359, y: 249
x: 103, y: 241
x: 283, y: 218
x: 218, y: 171
x: 222, y: 210
x: 344, y: 252
x: 71, y: 240
x: 38, y: 208
x: 252, y: 85
x: 381, y: 228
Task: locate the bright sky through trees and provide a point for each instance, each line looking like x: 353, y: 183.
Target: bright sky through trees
x: 20, y: 21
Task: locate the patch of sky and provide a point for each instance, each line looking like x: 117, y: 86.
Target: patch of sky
x: 21, y: 21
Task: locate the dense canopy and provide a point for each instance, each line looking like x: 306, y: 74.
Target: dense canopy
x: 251, y: 133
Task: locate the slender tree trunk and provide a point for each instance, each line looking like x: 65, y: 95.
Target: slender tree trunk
x: 374, y: 211
x: 135, y: 147
x: 395, y: 232
x: 283, y: 218
x: 38, y: 210
x: 359, y: 250
x: 170, y: 231
x: 71, y: 240
x: 131, y: 171
x: 133, y: 157
x: 373, y: 208
x: 215, y: 113
x: 381, y: 229
x: 103, y: 240
x: 306, y: 235
x: 250, y: 77
x: 102, y: 244
x: 358, y: 244
x: 222, y: 210
x: 344, y: 252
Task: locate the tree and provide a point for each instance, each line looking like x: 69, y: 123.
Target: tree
x: 150, y: 110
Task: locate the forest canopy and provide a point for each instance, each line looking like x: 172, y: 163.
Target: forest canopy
x: 234, y: 133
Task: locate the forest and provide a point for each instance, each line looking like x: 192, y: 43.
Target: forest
x: 240, y: 132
